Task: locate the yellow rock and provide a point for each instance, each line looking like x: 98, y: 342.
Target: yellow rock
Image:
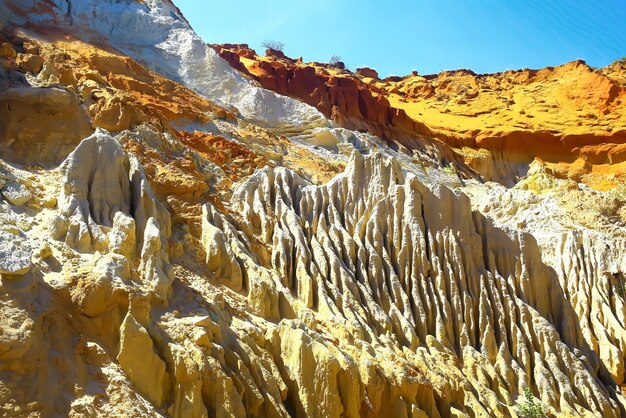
x: 141, y: 363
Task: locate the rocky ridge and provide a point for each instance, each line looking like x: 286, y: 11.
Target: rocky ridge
x: 568, y: 118
x: 178, y: 241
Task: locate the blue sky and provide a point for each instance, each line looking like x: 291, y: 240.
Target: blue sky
x: 398, y: 36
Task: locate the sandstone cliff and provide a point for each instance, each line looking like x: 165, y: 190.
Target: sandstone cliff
x: 176, y: 240
x: 569, y: 118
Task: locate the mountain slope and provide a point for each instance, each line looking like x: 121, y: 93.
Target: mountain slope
x: 176, y: 240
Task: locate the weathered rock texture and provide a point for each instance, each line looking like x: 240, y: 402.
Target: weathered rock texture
x: 177, y: 241
x: 569, y: 117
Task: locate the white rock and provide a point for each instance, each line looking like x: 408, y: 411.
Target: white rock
x: 220, y: 258
x: 58, y: 227
x: 8, y: 223
x: 15, y: 254
x: 103, y: 185
x: 16, y: 193
x: 122, y: 239
x: 155, y: 33
x: 154, y: 266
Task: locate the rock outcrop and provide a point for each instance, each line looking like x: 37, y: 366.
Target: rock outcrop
x: 374, y: 251
x: 143, y: 366
x: 40, y: 125
x: 569, y: 117
x: 109, y: 203
x: 346, y: 99
x: 176, y: 240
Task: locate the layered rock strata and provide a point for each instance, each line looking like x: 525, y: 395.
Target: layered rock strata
x: 569, y: 118
x: 177, y: 241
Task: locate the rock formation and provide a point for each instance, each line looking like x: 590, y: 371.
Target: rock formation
x: 570, y: 118
x: 176, y: 240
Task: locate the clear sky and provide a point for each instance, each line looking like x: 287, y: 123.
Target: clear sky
x: 398, y: 36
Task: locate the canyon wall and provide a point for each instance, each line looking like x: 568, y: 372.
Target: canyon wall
x: 178, y: 240
x: 569, y: 118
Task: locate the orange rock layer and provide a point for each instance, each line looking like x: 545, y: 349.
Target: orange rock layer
x: 77, y: 87
x: 88, y: 87
x: 571, y: 118
x: 338, y: 94
x: 236, y: 160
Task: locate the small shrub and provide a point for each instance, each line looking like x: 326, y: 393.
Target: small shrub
x: 336, y: 62
x: 275, y: 45
x: 528, y: 407
x: 539, y: 182
x: 450, y: 169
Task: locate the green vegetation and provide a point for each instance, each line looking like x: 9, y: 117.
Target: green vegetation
x: 538, y: 183
x: 450, y: 169
x: 527, y: 407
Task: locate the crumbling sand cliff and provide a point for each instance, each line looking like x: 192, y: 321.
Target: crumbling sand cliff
x: 176, y: 240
